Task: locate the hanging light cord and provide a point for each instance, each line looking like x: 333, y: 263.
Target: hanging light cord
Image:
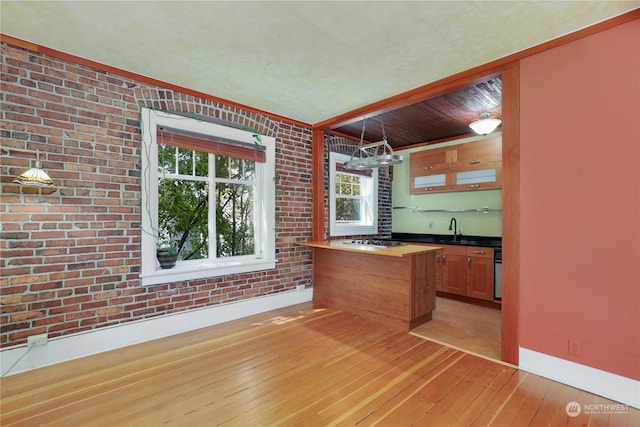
x: 364, y: 122
x: 384, y: 135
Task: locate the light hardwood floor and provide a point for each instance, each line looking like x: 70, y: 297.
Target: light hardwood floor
x: 468, y: 327
x: 301, y: 365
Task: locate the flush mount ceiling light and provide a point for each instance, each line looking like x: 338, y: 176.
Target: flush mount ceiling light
x: 485, y: 125
x: 35, y: 176
x: 374, y: 155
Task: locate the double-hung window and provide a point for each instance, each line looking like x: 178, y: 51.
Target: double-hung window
x: 208, y: 193
x: 353, y: 198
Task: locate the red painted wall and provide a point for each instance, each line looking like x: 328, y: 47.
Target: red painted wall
x: 580, y: 200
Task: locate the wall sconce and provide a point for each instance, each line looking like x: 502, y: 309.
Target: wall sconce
x: 485, y: 125
x: 35, y: 176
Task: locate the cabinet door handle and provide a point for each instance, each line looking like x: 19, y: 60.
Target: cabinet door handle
x: 428, y: 167
x: 469, y: 262
x: 437, y: 258
x: 474, y: 162
x: 444, y: 259
x: 474, y: 186
x: 479, y: 252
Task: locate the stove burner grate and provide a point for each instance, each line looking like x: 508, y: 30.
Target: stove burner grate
x: 376, y: 242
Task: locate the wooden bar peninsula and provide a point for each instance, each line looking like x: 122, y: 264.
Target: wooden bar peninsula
x: 391, y: 285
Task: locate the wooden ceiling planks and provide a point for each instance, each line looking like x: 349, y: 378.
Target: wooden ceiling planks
x: 443, y: 117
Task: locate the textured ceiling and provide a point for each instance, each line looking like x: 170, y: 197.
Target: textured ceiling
x: 305, y: 60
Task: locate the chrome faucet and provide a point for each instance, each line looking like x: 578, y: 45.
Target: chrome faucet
x: 453, y: 225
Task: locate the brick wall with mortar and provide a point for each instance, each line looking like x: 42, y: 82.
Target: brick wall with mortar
x: 71, y: 255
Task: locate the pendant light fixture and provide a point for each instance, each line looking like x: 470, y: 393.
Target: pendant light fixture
x: 374, y: 155
x: 485, y: 125
x: 35, y: 176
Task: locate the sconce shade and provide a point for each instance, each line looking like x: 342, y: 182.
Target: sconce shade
x: 485, y: 125
x: 35, y: 176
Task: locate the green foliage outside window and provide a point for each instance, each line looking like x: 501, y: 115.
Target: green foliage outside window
x: 234, y: 207
x: 183, y: 203
x: 348, y: 197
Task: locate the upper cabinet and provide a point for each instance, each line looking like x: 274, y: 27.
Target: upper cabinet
x: 471, y: 166
x: 428, y: 170
x: 477, y: 153
x: 432, y: 160
x: 481, y: 177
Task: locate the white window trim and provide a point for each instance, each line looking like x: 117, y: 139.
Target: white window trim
x: 151, y: 273
x: 371, y: 220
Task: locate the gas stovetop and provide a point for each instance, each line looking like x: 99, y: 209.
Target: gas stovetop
x: 376, y: 242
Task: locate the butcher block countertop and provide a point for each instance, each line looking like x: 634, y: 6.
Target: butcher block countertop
x: 393, y: 251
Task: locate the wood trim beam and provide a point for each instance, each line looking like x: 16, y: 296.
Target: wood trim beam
x: 510, y: 213
x: 317, y: 180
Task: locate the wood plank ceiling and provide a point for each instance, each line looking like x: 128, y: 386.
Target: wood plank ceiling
x: 443, y: 117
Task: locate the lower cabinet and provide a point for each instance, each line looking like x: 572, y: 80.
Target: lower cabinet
x: 454, y: 269
x: 439, y: 268
x: 465, y: 270
x: 480, y: 272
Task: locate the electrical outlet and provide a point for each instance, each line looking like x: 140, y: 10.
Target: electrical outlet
x: 574, y: 347
x: 300, y: 287
x: 35, y: 340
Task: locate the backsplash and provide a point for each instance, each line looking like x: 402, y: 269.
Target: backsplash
x: 469, y: 223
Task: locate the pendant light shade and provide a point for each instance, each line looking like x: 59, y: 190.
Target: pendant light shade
x: 485, y: 125
x: 35, y: 176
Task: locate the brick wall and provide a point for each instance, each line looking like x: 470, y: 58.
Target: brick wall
x: 385, y: 179
x: 71, y: 255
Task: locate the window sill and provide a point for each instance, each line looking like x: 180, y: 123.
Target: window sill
x: 191, y: 272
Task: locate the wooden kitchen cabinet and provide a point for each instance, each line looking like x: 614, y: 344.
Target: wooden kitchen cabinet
x: 428, y: 161
x: 394, y: 286
x: 477, y: 153
x: 480, y: 272
x: 481, y: 177
x: 466, y: 270
x: 470, y: 166
x: 439, y: 268
x: 454, y: 270
x: 428, y: 170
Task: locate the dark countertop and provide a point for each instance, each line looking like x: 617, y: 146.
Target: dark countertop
x: 447, y: 239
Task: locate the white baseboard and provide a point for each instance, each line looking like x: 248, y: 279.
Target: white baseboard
x: 612, y: 386
x: 21, y: 359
